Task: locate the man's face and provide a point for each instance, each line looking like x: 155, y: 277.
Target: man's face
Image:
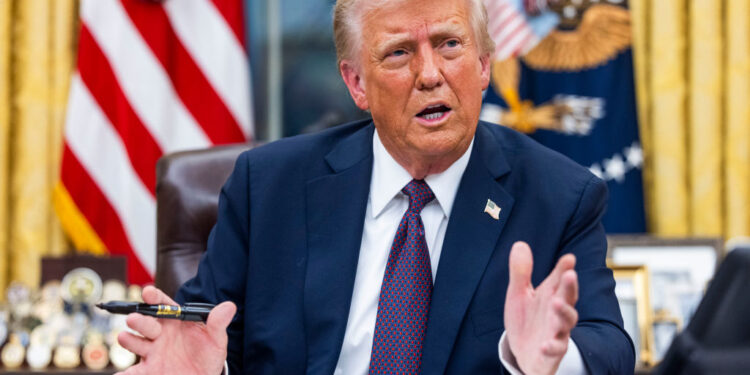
x: 421, y: 75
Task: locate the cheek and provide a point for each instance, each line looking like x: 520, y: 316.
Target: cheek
x: 392, y: 85
x: 467, y: 67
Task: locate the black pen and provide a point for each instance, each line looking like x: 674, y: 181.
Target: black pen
x: 191, y: 311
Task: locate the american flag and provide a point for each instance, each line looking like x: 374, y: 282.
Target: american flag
x: 152, y: 78
x: 509, y: 29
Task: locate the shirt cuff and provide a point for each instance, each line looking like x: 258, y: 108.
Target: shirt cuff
x: 571, y: 363
x: 226, y: 368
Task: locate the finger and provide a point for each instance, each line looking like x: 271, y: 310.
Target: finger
x: 132, y: 370
x: 568, y: 317
x: 568, y: 287
x: 520, y: 265
x: 154, y: 296
x: 555, y: 348
x: 135, y: 344
x: 219, y: 319
x: 148, y: 326
x: 566, y: 262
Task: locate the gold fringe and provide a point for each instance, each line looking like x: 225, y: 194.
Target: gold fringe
x: 603, y: 33
x: 75, y: 224
x: 506, y: 74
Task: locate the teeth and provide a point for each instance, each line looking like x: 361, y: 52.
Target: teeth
x: 433, y: 116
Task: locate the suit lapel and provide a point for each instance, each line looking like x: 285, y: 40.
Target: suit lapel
x: 470, y: 240
x: 336, y: 206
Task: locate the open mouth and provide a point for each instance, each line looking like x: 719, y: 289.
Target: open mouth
x: 434, y: 112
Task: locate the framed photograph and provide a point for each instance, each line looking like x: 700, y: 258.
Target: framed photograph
x: 633, y: 295
x: 678, y: 271
x: 665, y: 327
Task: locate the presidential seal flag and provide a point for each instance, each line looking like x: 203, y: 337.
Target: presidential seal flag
x: 152, y: 77
x: 570, y: 86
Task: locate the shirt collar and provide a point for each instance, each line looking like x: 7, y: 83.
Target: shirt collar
x: 389, y: 177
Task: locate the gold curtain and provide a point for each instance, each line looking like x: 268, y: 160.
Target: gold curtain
x: 692, y: 65
x: 37, y: 58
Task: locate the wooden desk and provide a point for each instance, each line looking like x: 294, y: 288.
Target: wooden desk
x: 50, y: 371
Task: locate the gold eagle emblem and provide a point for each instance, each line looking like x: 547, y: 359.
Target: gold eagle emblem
x: 601, y: 33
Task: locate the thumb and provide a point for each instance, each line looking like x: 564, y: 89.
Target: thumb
x: 520, y: 266
x: 219, y: 319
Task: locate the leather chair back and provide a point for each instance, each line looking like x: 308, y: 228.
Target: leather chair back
x: 187, y: 195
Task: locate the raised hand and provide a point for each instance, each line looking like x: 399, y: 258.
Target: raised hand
x: 538, y: 321
x: 176, y: 347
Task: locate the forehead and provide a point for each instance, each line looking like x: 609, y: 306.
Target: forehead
x: 415, y: 17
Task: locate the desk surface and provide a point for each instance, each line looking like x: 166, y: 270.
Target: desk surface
x: 77, y: 371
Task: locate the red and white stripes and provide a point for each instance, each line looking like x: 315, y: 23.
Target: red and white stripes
x: 508, y: 28
x: 152, y: 78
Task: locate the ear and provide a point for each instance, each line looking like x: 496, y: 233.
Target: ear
x: 486, y: 63
x: 355, y: 83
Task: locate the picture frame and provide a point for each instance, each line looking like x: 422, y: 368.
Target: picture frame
x: 632, y: 291
x: 679, y: 270
x: 665, y: 327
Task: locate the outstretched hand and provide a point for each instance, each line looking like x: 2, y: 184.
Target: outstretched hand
x: 538, y: 321
x: 176, y: 347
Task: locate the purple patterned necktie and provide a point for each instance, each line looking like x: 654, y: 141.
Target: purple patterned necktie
x: 405, y: 293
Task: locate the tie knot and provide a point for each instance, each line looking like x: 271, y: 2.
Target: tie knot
x: 419, y: 195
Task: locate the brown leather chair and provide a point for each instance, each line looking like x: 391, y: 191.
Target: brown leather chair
x: 187, y: 195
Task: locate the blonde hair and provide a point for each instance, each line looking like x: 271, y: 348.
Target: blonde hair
x: 347, y: 30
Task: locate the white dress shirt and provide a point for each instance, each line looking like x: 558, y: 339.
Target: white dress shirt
x: 386, y: 206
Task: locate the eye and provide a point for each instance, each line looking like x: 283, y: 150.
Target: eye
x: 397, y: 53
x: 396, y: 57
x: 452, y: 43
x: 451, y: 48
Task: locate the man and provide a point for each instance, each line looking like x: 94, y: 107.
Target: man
x: 384, y: 246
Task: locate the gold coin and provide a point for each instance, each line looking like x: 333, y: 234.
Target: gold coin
x: 81, y: 285
x: 95, y: 356
x: 13, y: 352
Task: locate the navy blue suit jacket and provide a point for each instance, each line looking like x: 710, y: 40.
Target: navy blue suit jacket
x: 286, y: 244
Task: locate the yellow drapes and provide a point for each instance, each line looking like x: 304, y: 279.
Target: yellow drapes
x: 37, y: 56
x: 692, y: 62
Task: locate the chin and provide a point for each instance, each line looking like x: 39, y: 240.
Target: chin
x: 436, y: 150
x: 441, y: 142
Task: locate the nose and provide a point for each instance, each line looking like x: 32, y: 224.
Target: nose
x: 429, y: 75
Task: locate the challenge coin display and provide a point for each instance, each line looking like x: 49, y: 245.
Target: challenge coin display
x: 19, y: 300
x: 95, y: 354
x: 68, y: 354
x: 43, y: 335
x: 41, y: 341
x: 121, y: 358
x: 134, y: 293
x: 38, y: 356
x: 49, y: 303
x: 57, y: 326
x: 4, y: 321
x: 17, y: 292
x: 114, y: 290
x: 51, y: 291
x: 82, y: 286
x: 13, y: 352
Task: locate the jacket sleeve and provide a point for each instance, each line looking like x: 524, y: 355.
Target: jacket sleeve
x: 221, y: 273
x: 604, y: 345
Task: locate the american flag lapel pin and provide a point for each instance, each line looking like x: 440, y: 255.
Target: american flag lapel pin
x: 492, y: 209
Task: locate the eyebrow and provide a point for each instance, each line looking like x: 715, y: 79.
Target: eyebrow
x: 447, y: 29
x: 437, y: 32
x: 394, y: 40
